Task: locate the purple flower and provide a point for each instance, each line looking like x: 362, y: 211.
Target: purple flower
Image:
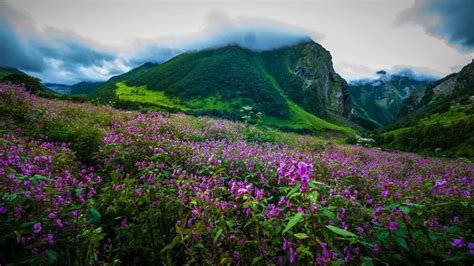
x: 59, y: 223
x: 124, y: 223
x: 3, y: 210
x: 195, y: 212
x: 286, y: 245
x: 375, y: 248
x: 458, y: 243
x: 236, y: 255
x: 281, y: 201
x: 292, y: 255
x: 393, y: 225
x: 50, y: 239
x: 37, y: 228
x: 471, y: 248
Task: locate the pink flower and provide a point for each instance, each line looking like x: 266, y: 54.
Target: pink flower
x: 458, y: 243
x: 124, y: 223
x: 50, y: 239
x: 37, y: 228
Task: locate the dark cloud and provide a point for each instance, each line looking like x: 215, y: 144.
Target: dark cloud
x: 252, y: 33
x: 451, y: 20
x: 52, y: 54
x: 415, y: 73
x: 62, y: 56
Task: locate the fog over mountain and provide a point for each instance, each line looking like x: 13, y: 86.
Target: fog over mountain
x: 362, y: 37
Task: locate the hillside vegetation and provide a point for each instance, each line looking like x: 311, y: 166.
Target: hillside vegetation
x: 295, y: 88
x: 377, y: 102
x: 87, y: 184
x: 436, y: 120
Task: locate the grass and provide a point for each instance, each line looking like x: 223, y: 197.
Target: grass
x: 300, y: 120
x: 455, y: 114
x: 141, y: 94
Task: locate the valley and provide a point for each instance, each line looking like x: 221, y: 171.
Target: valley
x: 236, y: 133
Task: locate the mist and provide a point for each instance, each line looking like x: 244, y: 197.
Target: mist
x: 451, y: 21
x: 59, y: 56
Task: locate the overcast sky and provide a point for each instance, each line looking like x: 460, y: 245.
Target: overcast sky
x: 68, y: 41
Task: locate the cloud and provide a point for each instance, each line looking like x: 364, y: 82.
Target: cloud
x: 252, y: 33
x: 412, y: 72
x: 450, y: 20
x: 416, y: 73
x: 62, y: 56
x: 50, y: 53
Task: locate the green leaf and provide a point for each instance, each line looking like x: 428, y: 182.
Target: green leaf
x: 93, y: 216
x: 26, y: 225
x: 230, y: 224
x: 401, y: 242
x: 340, y: 231
x: 52, y: 256
x: 405, y: 209
x: 78, y: 191
x: 293, y: 221
x: 415, y: 205
x: 9, y: 197
x: 301, y: 235
x: 255, y: 260
x: 454, y: 258
x: 18, y: 235
x: 171, y: 245
x: 454, y: 229
x: 366, y: 261
x: 218, y: 234
x: 313, y: 196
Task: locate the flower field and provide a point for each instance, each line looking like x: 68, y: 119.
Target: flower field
x: 86, y: 184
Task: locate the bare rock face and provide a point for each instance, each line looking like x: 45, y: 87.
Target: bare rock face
x: 452, y: 89
x: 321, y: 90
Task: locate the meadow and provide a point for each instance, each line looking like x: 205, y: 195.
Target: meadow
x: 89, y: 184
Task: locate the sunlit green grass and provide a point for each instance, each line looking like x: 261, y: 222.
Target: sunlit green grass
x: 299, y: 119
x: 142, y: 95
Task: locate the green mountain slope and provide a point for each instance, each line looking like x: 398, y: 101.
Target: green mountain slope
x: 14, y: 75
x: 436, y: 120
x: 84, y: 87
x: 294, y: 87
x: 5, y: 71
x: 377, y: 102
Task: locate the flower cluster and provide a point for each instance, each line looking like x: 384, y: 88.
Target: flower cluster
x: 174, y: 188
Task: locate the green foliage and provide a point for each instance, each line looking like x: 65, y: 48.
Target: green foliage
x: 438, y: 123
x: 219, y: 82
x: 176, y: 189
x: 84, y: 87
x: 288, y: 66
x: 5, y: 71
x: 31, y: 83
x: 452, y: 140
x: 378, y: 102
x: 85, y: 141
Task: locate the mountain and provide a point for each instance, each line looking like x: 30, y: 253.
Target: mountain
x: 376, y: 102
x: 58, y: 88
x: 83, y: 87
x: 436, y: 120
x: 295, y: 88
x: 5, y: 71
x: 14, y: 75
